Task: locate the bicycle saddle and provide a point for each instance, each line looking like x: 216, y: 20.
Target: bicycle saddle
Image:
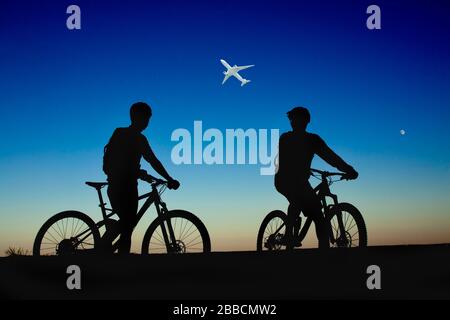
x: 96, y: 185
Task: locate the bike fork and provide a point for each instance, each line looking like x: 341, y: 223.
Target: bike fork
x: 172, y: 241
x: 342, y: 233
x: 169, y: 237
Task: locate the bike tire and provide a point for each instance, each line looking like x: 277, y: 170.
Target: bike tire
x: 37, y: 245
x: 357, y: 218
x: 173, y: 215
x: 262, y: 233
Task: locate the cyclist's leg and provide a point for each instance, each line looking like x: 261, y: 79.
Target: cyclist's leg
x: 291, y: 196
x: 290, y: 191
x: 292, y: 214
x: 313, y: 208
x: 124, y: 200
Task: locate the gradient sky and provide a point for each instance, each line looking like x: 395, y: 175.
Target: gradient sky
x: 63, y: 92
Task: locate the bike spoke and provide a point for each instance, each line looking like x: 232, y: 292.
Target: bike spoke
x: 346, y: 219
x: 175, y: 226
x: 183, y: 227
x: 71, y: 228
x: 193, y: 231
x: 51, y: 235
x: 51, y: 241
x: 79, y: 227
x: 181, y: 238
x: 334, y: 226
x: 59, y: 229
x: 83, y: 228
x: 46, y: 249
x: 336, y: 229
x: 352, y: 228
x: 61, y: 224
x: 76, y: 227
x: 271, y: 224
x: 186, y: 244
x: 160, y: 237
x: 197, y: 249
x: 269, y: 228
x: 158, y: 247
x: 159, y: 240
x: 180, y: 229
x: 193, y: 245
x: 277, y: 224
x: 65, y: 227
x: 84, y: 231
x: 57, y: 232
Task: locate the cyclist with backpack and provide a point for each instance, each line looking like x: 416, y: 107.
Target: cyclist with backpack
x: 296, y: 151
x: 121, y: 163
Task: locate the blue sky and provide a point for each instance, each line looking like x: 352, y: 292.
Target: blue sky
x: 63, y: 92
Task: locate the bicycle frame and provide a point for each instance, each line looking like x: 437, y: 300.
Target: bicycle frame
x: 152, y: 197
x: 323, y: 191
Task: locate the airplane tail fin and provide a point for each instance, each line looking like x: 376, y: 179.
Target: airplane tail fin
x: 244, y: 82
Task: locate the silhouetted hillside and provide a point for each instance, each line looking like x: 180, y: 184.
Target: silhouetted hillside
x: 406, y: 272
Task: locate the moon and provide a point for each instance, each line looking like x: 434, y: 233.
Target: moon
x: 402, y: 132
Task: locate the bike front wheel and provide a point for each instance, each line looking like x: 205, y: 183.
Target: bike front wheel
x: 271, y: 232
x: 65, y: 233
x: 191, y: 235
x: 354, y: 232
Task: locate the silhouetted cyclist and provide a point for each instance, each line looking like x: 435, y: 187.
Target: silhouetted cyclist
x: 296, y: 151
x: 121, y: 163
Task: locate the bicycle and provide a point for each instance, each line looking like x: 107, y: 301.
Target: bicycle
x: 174, y: 231
x: 342, y: 218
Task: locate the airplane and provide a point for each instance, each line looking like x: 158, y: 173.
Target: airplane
x: 233, y: 71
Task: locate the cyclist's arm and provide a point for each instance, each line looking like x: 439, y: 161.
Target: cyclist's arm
x: 150, y: 157
x: 328, y: 155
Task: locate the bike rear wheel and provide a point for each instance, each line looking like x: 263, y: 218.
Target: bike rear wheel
x: 190, y: 234
x: 272, y: 231
x: 354, y: 226
x: 65, y: 233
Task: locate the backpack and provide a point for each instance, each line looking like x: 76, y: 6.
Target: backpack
x: 107, y: 159
x: 119, y: 156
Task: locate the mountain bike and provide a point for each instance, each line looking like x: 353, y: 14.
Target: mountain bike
x: 174, y: 231
x: 346, y: 226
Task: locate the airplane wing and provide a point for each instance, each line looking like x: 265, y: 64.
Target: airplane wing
x: 225, y: 64
x: 238, y: 76
x: 244, y: 67
x: 226, y: 78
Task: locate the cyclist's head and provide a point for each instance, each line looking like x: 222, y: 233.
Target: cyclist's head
x: 140, y: 114
x: 299, y: 118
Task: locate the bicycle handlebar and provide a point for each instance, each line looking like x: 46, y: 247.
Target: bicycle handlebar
x: 144, y: 176
x: 328, y: 174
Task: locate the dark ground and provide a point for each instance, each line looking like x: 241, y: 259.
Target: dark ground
x: 407, y: 272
